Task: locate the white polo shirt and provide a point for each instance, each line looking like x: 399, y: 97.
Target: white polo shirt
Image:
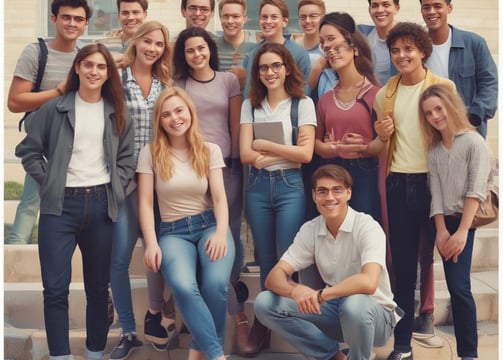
x: 360, y: 241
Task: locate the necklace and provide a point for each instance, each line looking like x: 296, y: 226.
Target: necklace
x: 341, y: 96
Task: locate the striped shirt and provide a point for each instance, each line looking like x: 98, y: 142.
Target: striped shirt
x: 459, y: 172
x: 140, y: 108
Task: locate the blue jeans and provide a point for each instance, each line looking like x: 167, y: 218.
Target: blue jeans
x: 233, y: 181
x: 199, y: 286
x: 365, y: 195
x: 275, y: 209
x: 26, y: 213
x: 464, y: 312
x: 84, y: 222
x: 126, y: 231
x: 357, y: 320
x: 408, y: 200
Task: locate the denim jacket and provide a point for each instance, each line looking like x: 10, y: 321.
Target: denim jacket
x: 47, y: 148
x: 474, y: 72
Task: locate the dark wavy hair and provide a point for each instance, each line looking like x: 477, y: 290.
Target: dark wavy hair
x: 334, y: 172
x: 346, y: 25
x: 182, y: 69
x: 56, y: 4
x: 413, y: 32
x: 294, y: 81
x: 112, y: 87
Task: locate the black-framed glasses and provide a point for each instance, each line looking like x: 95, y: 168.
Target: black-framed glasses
x: 322, y: 192
x: 312, y: 17
x: 202, y: 9
x: 275, y: 67
x: 69, y: 18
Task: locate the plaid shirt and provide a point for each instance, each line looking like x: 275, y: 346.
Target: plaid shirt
x: 140, y: 108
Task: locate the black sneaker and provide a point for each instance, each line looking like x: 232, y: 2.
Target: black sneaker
x: 155, y: 332
x: 127, y: 343
x: 395, y: 355
x: 423, y: 326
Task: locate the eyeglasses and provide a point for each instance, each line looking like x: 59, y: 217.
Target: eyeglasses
x: 311, y: 17
x: 202, y: 9
x: 322, y: 192
x: 338, y: 48
x: 275, y: 67
x: 69, y: 18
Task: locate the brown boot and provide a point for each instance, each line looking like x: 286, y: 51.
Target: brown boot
x: 258, y: 339
x: 241, y: 330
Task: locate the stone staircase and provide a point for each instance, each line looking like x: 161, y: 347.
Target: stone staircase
x: 24, y: 334
x: 24, y: 337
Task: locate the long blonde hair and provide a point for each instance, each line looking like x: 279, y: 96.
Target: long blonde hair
x: 161, y: 69
x: 199, y: 153
x: 457, y: 117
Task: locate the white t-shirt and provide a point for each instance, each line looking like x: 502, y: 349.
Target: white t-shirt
x: 87, y: 165
x: 438, y: 62
x: 306, y: 116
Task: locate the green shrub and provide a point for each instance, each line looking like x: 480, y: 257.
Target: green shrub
x: 12, y: 190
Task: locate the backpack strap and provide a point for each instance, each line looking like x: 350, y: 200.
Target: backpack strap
x: 42, y: 62
x: 294, y: 118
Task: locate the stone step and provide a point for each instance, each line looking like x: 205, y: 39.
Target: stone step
x: 485, y: 290
x: 25, y: 344
x: 22, y: 264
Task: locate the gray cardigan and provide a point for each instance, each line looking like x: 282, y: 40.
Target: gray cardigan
x: 47, y: 148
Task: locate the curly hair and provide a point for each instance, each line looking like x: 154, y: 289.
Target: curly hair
x: 414, y: 33
x: 294, y: 81
x: 160, y: 147
x: 111, y: 89
x: 161, y: 69
x: 182, y: 68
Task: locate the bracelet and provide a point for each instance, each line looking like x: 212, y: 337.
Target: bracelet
x: 381, y: 140
x: 320, y: 299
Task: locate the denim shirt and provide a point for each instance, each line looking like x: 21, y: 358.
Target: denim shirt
x: 473, y: 70
x: 47, y: 149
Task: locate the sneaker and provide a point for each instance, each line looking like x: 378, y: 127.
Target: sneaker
x: 395, y: 355
x: 155, y: 332
x: 423, y: 326
x: 127, y: 343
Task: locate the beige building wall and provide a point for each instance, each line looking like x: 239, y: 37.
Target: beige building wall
x: 23, y: 23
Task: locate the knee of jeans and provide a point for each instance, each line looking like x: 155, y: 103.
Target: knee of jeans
x: 263, y: 304
x: 354, y: 308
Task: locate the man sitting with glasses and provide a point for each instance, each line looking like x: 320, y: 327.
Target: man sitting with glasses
x: 349, y: 249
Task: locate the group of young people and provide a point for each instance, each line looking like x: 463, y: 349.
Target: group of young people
x: 150, y: 137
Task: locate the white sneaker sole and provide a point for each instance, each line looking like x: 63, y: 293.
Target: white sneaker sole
x: 429, y: 342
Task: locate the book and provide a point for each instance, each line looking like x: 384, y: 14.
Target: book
x: 272, y: 131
